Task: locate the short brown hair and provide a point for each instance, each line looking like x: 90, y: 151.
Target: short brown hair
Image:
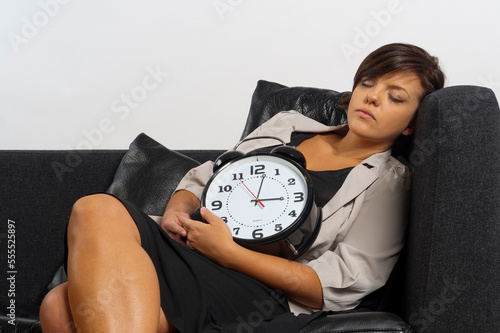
x: 397, y: 57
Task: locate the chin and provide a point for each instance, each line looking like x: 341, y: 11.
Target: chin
x: 360, y: 126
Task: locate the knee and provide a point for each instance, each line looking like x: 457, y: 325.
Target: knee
x: 88, y: 211
x: 93, y: 203
x: 55, y: 313
x: 97, y: 218
x: 53, y: 300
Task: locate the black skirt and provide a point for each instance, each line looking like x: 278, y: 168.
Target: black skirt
x: 197, y: 295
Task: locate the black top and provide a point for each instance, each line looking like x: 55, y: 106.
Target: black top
x: 325, y: 183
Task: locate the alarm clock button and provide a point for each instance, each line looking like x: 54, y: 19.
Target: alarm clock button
x: 225, y: 158
x: 291, y: 153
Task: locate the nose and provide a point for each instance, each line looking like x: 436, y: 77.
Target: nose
x: 372, y: 97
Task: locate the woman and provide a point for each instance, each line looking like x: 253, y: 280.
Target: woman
x: 126, y: 274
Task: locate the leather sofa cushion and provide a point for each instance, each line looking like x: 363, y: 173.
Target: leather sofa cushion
x: 269, y: 98
x: 148, y: 174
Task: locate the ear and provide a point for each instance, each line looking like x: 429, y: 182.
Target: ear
x: 411, y: 127
x: 408, y: 131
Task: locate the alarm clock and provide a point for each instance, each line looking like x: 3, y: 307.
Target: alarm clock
x: 266, y: 199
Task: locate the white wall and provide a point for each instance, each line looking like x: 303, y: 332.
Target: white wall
x: 94, y: 74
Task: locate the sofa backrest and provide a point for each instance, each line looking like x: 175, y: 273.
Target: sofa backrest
x: 37, y: 192
x: 38, y: 189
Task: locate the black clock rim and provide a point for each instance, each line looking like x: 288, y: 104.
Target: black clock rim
x: 310, y: 203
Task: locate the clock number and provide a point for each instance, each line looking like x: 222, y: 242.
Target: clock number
x: 236, y: 230
x: 223, y: 218
x: 292, y: 213
x: 299, y: 196
x: 277, y: 172
x: 257, y: 233
x: 237, y: 176
x: 291, y: 181
x: 278, y: 227
x: 257, y: 169
x: 226, y: 188
x: 216, y: 205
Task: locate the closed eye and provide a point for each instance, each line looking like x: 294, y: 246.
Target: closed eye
x: 367, y: 84
x: 395, y: 100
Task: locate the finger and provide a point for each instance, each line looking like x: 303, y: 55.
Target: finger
x: 208, y: 215
x: 179, y: 230
x: 180, y: 240
x: 186, y: 223
x: 174, y: 229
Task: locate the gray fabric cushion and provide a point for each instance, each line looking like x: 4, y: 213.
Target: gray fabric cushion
x: 452, y: 283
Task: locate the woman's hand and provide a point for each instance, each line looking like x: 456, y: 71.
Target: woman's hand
x: 215, y: 241
x: 170, y: 223
x: 212, y: 239
x: 181, y: 204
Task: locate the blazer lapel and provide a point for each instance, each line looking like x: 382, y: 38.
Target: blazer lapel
x: 359, y: 179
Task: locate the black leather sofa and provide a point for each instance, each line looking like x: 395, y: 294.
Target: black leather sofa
x: 445, y: 281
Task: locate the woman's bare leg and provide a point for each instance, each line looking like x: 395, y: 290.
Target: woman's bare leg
x: 55, y: 313
x: 113, y: 286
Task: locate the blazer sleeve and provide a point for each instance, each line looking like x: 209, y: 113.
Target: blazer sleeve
x: 362, y: 262
x: 195, y: 180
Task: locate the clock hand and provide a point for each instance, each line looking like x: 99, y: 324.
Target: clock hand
x: 260, y: 188
x: 269, y: 199
x: 251, y: 193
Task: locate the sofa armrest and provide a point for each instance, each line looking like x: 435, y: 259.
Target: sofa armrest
x: 453, y: 260
x: 356, y: 322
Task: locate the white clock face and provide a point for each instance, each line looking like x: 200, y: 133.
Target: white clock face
x: 258, y: 196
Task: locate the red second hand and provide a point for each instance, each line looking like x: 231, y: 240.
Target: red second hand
x: 251, y: 193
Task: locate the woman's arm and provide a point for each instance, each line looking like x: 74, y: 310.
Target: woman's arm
x: 182, y: 203
x: 214, y: 240
x: 297, y: 281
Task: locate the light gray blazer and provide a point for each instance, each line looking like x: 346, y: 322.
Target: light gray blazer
x: 363, y: 227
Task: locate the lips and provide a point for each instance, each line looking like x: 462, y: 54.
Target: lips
x: 364, y: 113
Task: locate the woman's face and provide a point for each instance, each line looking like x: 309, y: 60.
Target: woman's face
x: 381, y: 109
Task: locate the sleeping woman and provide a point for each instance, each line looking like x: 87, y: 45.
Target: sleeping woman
x: 126, y: 273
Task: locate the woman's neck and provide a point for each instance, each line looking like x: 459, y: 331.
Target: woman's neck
x: 331, y: 151
x: 355, y: 147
